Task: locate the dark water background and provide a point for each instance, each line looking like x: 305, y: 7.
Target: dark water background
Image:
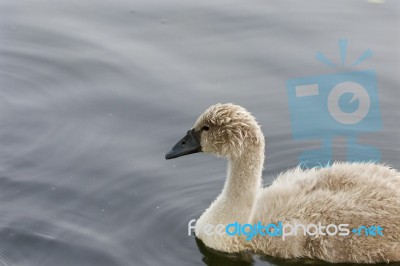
x: 93, y: 93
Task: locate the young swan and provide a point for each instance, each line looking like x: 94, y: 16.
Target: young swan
x: 359, y: 194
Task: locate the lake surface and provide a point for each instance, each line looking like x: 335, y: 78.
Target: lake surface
x: 94, y: 93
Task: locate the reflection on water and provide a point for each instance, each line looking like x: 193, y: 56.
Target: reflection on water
x: 213, y: 258
x: 93, y: 94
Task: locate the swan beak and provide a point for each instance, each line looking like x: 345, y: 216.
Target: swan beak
x: 188, y: 145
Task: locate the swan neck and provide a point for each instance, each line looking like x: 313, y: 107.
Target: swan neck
x: 245, y: 173
x: 243, y: 182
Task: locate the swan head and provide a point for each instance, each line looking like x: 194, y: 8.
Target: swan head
x: 225, y: 130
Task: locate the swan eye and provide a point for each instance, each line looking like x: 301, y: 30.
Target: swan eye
x: 206, y: 128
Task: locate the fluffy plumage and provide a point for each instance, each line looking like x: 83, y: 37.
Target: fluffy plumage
x: 356, y: 194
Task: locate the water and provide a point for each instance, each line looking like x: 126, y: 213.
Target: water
x: 94, y: 93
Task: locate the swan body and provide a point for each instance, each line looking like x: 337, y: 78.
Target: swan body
x: 355, y: 194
